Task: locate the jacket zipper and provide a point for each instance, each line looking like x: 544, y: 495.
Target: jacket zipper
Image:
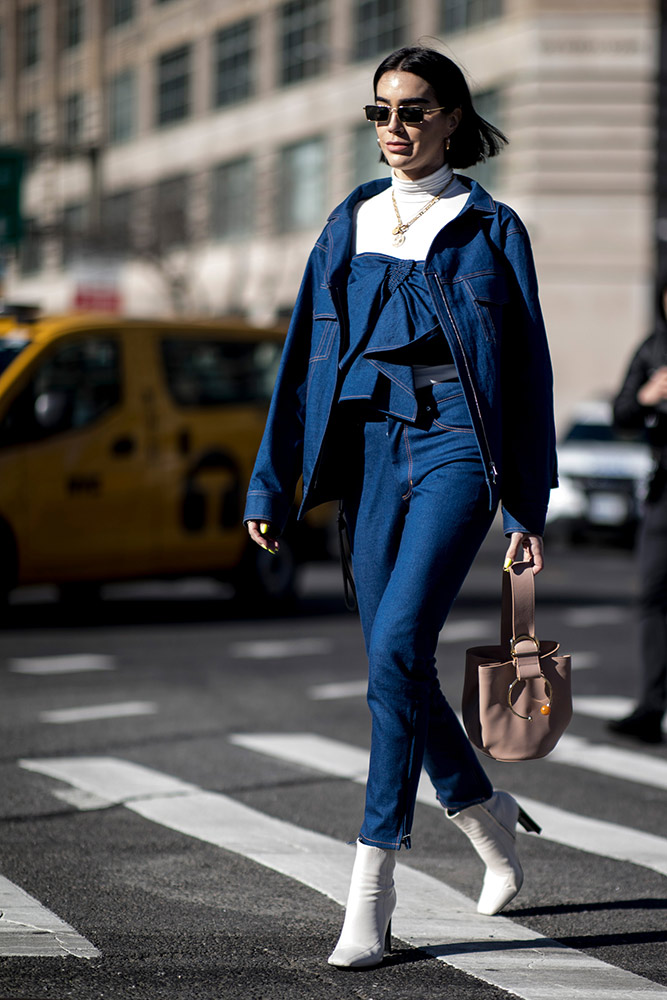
x: 491, y: 465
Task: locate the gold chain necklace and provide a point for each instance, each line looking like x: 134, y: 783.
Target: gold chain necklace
x: 399, y: 231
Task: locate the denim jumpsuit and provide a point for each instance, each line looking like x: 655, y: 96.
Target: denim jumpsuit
x: 417, y: 511
x: 419, y: 472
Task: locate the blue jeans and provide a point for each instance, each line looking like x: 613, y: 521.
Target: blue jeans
x: 417, y: 515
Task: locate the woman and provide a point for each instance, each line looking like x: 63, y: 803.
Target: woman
x: 416, y: 386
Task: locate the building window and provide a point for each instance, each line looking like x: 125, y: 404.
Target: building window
x: 378, y: 26
x: 73, y: 119
x: 173, y: 85
x: 459, y: 15
x: 303, y: 40
x: 30, y: 35
x: 122, y: 105
x: 233, y: 68
x: 488, y: 104
x: 233, y: 199
x: 74, y: 229
x: 303, y: 185
x: 31, y: 136
x: 171, y: 213
x: 366, y: 165
x: 72, y: 23
x: 30, y: 256
x: 121, y: 12
x: 31, y: 128
x: 117, y: 216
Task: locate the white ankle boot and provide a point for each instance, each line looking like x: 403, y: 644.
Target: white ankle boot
x: 366, y: 930
x: 490, y: 827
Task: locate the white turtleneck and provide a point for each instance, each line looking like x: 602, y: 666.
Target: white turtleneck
x: 375, y: 218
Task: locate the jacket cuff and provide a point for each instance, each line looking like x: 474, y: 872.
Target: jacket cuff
x: 528, y: 519
x: 261, y: 506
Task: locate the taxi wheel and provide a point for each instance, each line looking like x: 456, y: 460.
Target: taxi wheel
x: 79, y: 593
x: 8, y: 565
x: 264, y: 577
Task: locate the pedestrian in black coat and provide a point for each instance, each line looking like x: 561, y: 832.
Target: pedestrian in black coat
x: 642, y: 404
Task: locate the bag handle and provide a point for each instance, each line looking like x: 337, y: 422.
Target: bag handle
x: 517, y: 620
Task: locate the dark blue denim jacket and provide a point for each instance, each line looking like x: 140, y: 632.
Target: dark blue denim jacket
x: 481, y: 277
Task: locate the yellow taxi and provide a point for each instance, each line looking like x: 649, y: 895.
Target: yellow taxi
x: 126, y: 447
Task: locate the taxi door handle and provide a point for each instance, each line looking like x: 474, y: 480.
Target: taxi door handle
x: 123, y: 446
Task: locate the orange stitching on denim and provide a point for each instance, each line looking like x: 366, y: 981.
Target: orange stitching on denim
x: 406, y: 496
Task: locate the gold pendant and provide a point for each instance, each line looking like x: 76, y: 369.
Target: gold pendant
x: 396, y: 230
x: 398, y: 240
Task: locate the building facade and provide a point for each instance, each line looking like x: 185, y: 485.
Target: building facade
x: 185, y: 153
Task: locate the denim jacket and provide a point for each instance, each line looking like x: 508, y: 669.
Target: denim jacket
x: 481, y: 277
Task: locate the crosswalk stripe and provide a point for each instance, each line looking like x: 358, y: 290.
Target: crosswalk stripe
x: 28, y: 929
x: 277, y: 649
x: 602, y: 706
x: 470, y: 630
x: 606, y: 707
x: 90, y: 713
x: 584, y: 834
x: 640, y: 768
x: 331, y: 692
x: 430, y: 915
x: 74, y: 664
x: 602, y: 614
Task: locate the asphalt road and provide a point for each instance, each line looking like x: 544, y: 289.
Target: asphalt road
x: 178, y: 783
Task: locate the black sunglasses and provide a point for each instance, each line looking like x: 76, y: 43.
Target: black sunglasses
x: 408, y: 114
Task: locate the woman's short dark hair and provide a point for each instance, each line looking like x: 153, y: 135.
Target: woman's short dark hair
x: 474, y: 139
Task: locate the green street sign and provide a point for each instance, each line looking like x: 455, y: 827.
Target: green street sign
x: 11, y: 172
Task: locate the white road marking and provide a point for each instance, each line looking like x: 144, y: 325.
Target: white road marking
x: 607, y: 840
x: 430, y: 915
x: 603, y: 707
x: 331, y: 692
x: 28, y: 929
x: 74, y: 664
x: 89, y: 713
x: 584, y: 660
x: 603, y: 614
x: 278, y: 649
x: 475, y: 631
x: 602, y: 758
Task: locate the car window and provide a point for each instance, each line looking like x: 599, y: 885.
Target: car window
x: 70, y: 390
x: 591, y: 432
x: 209, y: 372
x: 11, y: 347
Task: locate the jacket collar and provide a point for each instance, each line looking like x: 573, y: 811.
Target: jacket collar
x: 339, y: 223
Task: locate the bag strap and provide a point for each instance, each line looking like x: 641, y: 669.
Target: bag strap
x: 517, y: 620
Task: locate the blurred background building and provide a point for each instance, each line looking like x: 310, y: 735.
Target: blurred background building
x: 183, y: 154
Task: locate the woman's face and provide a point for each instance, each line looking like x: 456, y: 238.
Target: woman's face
x: 413, y: 151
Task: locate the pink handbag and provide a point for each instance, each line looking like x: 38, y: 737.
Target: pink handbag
x: 517, y: 697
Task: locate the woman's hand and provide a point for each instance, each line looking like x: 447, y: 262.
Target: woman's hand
x: 654, y: 391
x: 259, y: 531
x: 533, y: 550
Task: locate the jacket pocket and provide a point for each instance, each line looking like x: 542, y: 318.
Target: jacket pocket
x: 489, y: 295
x: 324, y: 331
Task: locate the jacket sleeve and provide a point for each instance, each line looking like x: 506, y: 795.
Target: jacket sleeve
x: 629, y: 414
x: 278, y: 464
x: 529, y: 436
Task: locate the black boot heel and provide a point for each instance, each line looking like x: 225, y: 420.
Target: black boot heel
x: 527, y: 823
x: 387, y: 939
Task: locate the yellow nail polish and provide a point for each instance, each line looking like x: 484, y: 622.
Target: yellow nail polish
x: 263, y: 528
x: 508, y: 563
